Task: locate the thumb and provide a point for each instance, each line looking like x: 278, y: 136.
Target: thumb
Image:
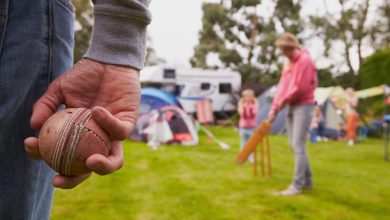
x: 118, y: 129
x: 46, y: 105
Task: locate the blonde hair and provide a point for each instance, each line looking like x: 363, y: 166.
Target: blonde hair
x: 247, y: 93
x: 287, y: 39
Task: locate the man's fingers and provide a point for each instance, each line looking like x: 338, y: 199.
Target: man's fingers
x: 46, y: 105
x: 105, y: 165
x: 32, y: 148
x: 97, y: 163
x: 117, y: 129
x: 69, y: 182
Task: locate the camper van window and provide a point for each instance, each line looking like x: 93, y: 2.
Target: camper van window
x: 225, y: 88
x: 205, y: 86
x: 169, y: 73
x: 178, y: 89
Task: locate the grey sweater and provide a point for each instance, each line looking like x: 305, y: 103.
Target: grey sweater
x: 119, y: 32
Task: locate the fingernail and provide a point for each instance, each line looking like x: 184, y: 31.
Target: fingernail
x: 26, y: 146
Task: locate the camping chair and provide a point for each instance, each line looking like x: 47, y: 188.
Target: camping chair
x: 386, y: 130
x: 386, y: 121
x: 386, y: 135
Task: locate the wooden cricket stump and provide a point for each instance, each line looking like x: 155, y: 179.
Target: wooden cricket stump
x: 259, y: 139
x: 263, y: 156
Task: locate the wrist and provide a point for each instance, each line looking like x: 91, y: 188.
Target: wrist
x: 113, y: 68
x: 119, y: 38
x: 280, y: 104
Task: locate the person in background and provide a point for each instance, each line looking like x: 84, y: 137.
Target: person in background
x: 342, y: 131
x: 248, y: 108
x: 296, y: 90
x: 352, y: 115
x: 317, y: 118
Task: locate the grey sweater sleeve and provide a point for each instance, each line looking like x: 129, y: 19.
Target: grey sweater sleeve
x: 119, y: 32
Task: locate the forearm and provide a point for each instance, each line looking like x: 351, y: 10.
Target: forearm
x: 275, y: 105
x: 119, y: 32
x: 353, y: 102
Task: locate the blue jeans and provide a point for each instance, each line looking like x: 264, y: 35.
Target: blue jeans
x: 36, y: 46
x: 298, y: 123
x: 245, y: 134
x: 313, y: 135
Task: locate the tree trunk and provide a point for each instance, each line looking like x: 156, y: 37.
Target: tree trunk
x: 252, y: 40
x: 360, y: 30
x: 348, y: 58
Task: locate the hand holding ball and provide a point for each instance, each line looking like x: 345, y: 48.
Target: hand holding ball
x: 68, y: 138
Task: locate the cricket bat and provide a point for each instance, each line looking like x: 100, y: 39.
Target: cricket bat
x: 253, y: 141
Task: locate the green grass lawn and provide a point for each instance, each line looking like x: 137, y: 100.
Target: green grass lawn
x: 203, y: 182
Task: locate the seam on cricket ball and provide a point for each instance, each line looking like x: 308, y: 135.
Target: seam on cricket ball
x: 96, y: 135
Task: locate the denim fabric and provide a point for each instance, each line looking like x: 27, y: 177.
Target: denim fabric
x: 245, y: 134
x: 313, y: 135
x: 36, y: 46
x: 298, y: 123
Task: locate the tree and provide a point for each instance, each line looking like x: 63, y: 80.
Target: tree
x: 381, y: 30
x: 325, y: 78
x: 375, y: 70
x: 243, y: 38
x: 83, y: 30
x: 151, y: 57
x: 346, y: 80
x: 349, y: 27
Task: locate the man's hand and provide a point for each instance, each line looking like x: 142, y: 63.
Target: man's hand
x: 271, y: 116
x: 113, y: 94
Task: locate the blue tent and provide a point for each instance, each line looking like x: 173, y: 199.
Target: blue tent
x: 329, y: 124
x: 153, y: 98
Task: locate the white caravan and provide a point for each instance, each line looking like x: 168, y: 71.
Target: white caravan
x: 192, y: 84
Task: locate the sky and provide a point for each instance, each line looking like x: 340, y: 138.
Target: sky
x: 176, y: 24
x: 174, y: 29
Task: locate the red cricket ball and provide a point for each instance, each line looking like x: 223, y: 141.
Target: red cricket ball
x: 68, y: 138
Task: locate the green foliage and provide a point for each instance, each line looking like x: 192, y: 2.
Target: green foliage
x: 372, y: 109
x: 204, y: 182
x: 84, y: 20
x: 380, y: 33
x: 151, y: 56
x: 351, y: 28
x: 325, y: 78
x: 243, y: 39
x: 237, y: 4
x: 346, y: 80
x: 287, y: 13
x: 375, y: 70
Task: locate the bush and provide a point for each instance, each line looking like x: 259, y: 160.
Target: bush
x: 375, y: 70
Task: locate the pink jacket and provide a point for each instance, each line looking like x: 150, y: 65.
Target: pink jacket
x: 248, y: 115
x: 296, y: 85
